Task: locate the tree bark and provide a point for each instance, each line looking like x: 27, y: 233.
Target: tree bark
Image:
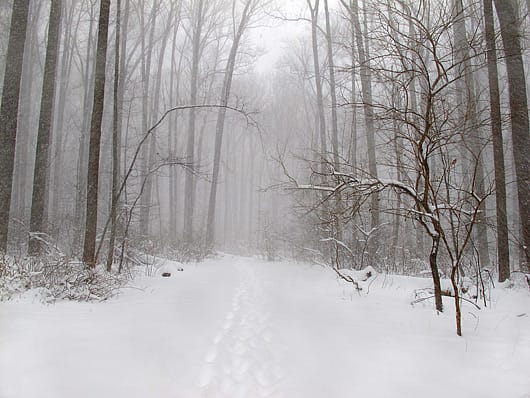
x: 510, y: 32
x: 366, y: 88
x: 64, y: 82
x: 89, y: 246
x: 147, y: 52
x: 503, y: 250
x: 41, y: 170
x: 333, y: 91
x: 88, y: 92
x: 9, y: 110
x: 116, y: 116
x: 318, y: 82
x: 189, y: 183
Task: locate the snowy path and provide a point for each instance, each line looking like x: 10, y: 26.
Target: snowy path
x: 240, y: 361
x: 241, y: 327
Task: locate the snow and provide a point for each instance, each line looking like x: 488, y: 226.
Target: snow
x: 243, y: 327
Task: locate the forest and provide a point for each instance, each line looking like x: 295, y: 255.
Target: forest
x: 369, y: 138
x: 153, y: 128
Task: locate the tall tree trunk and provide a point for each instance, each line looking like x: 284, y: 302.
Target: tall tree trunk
x: 147, y: 53
x: 89, y: 247
x: 174, y: 89
x: 23, y: 151
x: 154, y: 114
x: 333, y: 91
x: 366, y: 88
x: 116, y: 116
x: 27, y: 122
x: 503, y: 250
x: 37, y: 221
x: 88, y: 92
x: 510, y: 32
x: 189, y: 183
x: 472, y: 128
x: 66, y: 68
x: 9, y: 110
x: 318, y: 81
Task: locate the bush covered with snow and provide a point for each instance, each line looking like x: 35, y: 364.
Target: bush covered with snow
x: 56, y: 278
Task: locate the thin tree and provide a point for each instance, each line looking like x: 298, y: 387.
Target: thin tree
x: 89, y: 246
x: 189, y: 183
x: 332, y: 90
x: 9, y: 110
x: 366, y: 89
x: 116, y: 115
x: 313, y: 9
x: 41, y: 170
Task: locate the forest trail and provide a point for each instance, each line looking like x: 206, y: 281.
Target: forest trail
x: 242, y: 360
x: 243, y: 327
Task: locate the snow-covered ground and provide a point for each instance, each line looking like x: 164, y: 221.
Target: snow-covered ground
x: 242, y: 327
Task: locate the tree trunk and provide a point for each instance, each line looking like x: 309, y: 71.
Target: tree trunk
x: 116, y: 115
x: 9, y: 110
x: 154, y: 114
x: 88, y: 92
x: 318, y: 83
x: 510, y: 31
x: 147, y: 52
x: 433, y: 262
x: 89, y: 246
x: 189, y: 183
x: 472, y: 128
x: 332, y: 89
x: 503, y: 250
x: 366, y: 88
x: 66, y: 67
x: 37, y: 221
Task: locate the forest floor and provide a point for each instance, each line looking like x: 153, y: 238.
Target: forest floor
x: 242, y: 327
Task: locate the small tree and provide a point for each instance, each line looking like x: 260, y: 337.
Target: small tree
x: 431, y: 137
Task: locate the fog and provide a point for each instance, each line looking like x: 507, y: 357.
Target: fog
x: 364, y: 135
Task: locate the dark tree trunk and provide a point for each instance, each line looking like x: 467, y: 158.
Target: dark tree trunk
x: 9, y: 110
x: 89, y: 247
x: 88, y: 89
x: 64, y: 82
x: 511, y: 33
x: 116, y: 116
x: 37, y: 220
x: 503, y: 250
